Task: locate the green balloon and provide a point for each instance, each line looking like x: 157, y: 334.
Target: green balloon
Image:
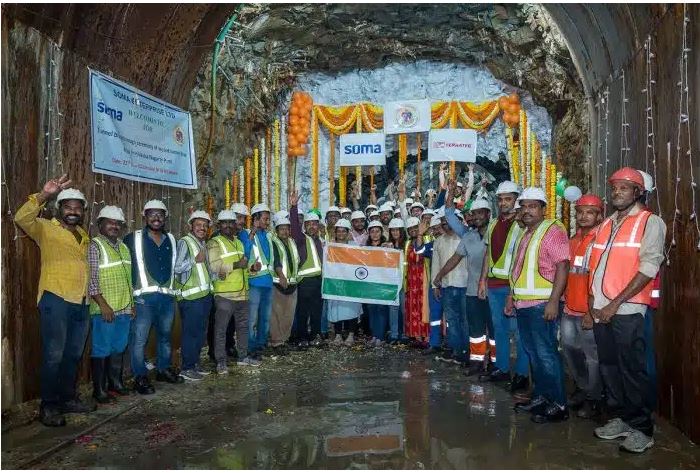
x: 316, y: 211
x: 561, y: 185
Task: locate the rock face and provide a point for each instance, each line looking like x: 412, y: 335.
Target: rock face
x: 273, y: 49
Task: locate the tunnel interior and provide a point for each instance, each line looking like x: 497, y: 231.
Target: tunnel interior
x: 601, y: 74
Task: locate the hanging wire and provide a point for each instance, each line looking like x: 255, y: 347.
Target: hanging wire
x: 649, y: 113
x: 606, y: 102
x: 624, y: 138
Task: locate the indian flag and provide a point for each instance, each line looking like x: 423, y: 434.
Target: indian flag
x: 362, y: 274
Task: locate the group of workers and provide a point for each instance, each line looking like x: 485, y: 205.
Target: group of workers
x: 473, y: 281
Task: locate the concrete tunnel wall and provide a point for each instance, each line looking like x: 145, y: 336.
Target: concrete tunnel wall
x: 160, y: 49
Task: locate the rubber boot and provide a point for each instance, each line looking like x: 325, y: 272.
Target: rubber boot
x: 99, y: 393
x: 114, y: 374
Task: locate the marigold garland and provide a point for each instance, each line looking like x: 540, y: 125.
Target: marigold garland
x: 256, y: 176
x: 403, y: 152
x: 509, y: 144
x: 419, y: 171
x: 268, y: 163
x: 331, y: 169
x: 522, y: 144
x: 242, y: 176
x: 358, y: 169
x: 264, y: 173
x: 314, y: 158
x: 227, y: 193
x: 278, y: 164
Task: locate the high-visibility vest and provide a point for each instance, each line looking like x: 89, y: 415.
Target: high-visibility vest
x: 576, y: 294
x: 232, y: 251
x: 656, y: 291
x: 145, y: 283
x: 289, y: 273
x: 623, y: 258
x: 312, y: 264
x: 114, y: 272
x: 268, y: 266
x: 530, y: 284
x: 198, y: 284
x: 500, y: 269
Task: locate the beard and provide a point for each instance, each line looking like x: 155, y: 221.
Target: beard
x: 72, y: 219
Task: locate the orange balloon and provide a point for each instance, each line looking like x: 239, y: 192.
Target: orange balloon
x: 294, y: 109
x: 502, y: 102
x: 514, y: 98
x: 513, y: 108
x: 301, y: 138
x: 304, y: 123
x: 305, y: 136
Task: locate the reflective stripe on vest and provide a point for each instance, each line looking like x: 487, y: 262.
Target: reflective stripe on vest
x: 622, y: 263
x: 114, y: 272
x: 267, y: 267
x: 199, y: 283
x: 291, y: 277
x: 146, y: 287
x: 530, y: 285
x: 501, y: 268
x: 231, y: 252
x: 312, y: 264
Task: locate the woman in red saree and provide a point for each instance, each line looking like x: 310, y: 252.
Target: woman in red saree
x: 416, y: 314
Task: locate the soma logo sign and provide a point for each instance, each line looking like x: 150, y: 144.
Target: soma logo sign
x: 363, y: 149
x: 112, y: 112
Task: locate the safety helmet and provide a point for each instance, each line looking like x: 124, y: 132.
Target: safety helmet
x: 358, y: 214
x: 112, y: 212
x: 507, y: 187
x: 397, y: 212
x: 280, y: 214
x: 408, y: 201
x: 199, y: 214
x: 240, y: 209
x: 480, y: 204
x: 533, y: 193
x: 282, y: 221
x: 333, y: 208
x: 648, y: 180
x: 590, y: 199
x: 257, y: 208
x: 345, y: 210
x: 70, y: 194
x: 628, y: 174
x: 418, y: 205
x: 386, y: 207
x: 226, y: 215
x: 371, y: 207
x: 392, y: 203
x: 374, y: 224
x: 311, y: 217
x: 374, y: 213
x: 412, y: 222
x: 396, y: 223
x: 435, y: 221
x: 343, y: 223
x: 428, y: 212
x: 155, y: 204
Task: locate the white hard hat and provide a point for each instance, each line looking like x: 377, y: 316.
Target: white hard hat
x: 282, y: 221
x: 480, y: 204
x: 345, y: 210
x: 435, y: 221
x: 533, y: 193
x: 280, y: 214
x: 155, y: 204
x: 333, y: 208
x: 386, y: 207
x: 343, y: 223
x: 311, y: 217
x: 70, y: 194
x: 257, y: 208
x: 240, y: 209
x: 648, y: 181
x: 507, y: 187
x: 358, y: 214
x: 374, y: 213
x: 300, y: 212
x: 409, y: 201
x: 396, y: 223
x: 392, y: 203
x: 371, y: 207
x: 199, y: 214
x: 397, y: 212
x: 428, y: 212
x: 375, y: 224
x: 412, y: 222
x: 516, y: 206
x: 418, y: 205
x: 226, y: 215
x: 111, y: 211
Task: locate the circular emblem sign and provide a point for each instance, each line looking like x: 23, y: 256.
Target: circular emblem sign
x: 361, y: 273
x: 406, y: 116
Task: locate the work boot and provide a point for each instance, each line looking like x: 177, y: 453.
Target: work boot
x: 496, y: 376
x: 76, y: 406
x: 473, y: 367
x: 114, y: 375
x: 50, y: 416
x: 143, y: 385
x: 552, y: 413
x: 533, y: 405
x: 99, y: 378
x: 169, y: 376
x: 518, y: 383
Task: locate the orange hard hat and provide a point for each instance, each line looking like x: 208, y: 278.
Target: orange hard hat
x: 590, y: 199
x: 628, y: 174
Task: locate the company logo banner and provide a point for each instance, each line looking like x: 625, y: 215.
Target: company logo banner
x: 408, y: 116
x: 139, y: 137
x: 452, y: 145
x: 363, y: 149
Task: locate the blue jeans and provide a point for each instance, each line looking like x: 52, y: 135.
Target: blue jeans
x: 378, y: 320
x: 395, y: 314
x: 454, y: 303
x: 195, y: 318
x: 435, y: 320
x: 152, y: 310
x: 324, y: 318
x: 503, y: 326
x: 110, y: 338
x: 651, y: 354
x: 260, y: 300
x: 539, y: 338
x: 64, y: 329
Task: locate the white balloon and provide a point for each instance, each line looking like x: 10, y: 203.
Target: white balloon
x: 572, y: 193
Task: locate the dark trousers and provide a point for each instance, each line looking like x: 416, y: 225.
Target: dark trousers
x: 378, y: 320
x: 194, y: 315
x: 651, y: 355
x: 309, y: 307
x: 345, y: 325
x: 622, y: 358
x: 64, y: 330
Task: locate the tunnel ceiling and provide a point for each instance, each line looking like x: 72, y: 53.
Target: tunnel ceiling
x: 270, y: 45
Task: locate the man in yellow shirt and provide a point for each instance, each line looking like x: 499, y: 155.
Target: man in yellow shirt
x: 62, y: 294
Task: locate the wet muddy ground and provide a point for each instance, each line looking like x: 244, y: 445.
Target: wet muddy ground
x: 331, y: 409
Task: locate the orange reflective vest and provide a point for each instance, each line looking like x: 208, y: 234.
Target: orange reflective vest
x: 623, y: 258
x: 576, y: 294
